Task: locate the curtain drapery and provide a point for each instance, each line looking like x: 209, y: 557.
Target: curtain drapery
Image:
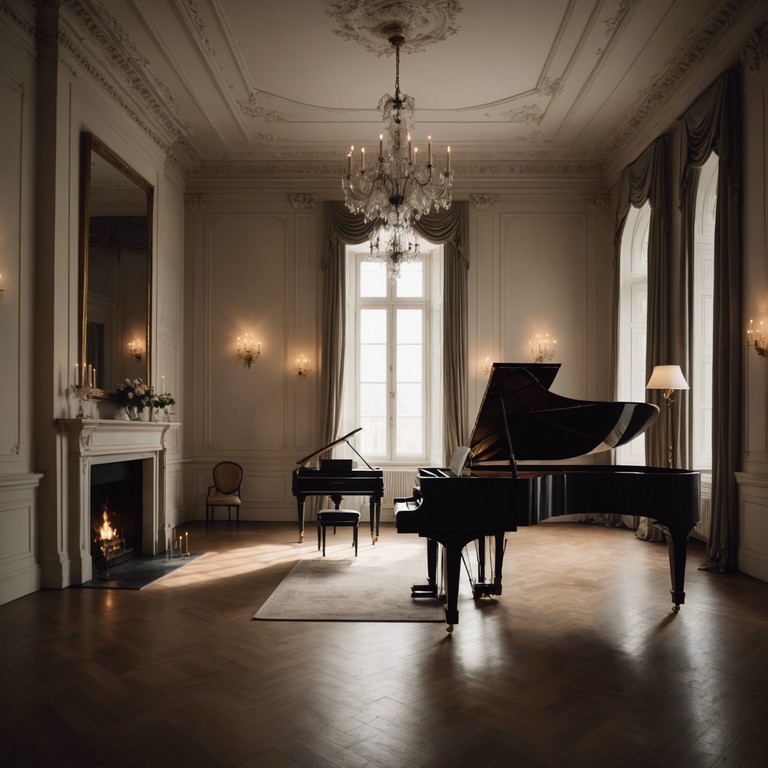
x: 713, y: 124
x: 449, y: 228
x: 341, y: 228
x: 647, y: 179
x: 118, y: 231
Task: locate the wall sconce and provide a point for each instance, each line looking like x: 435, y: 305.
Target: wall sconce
x: 486, y: 367
x: 135, y: 349
x: 757, y: 340
x: 248, y: 350
x: 542, y: 350
x: 302, y: 365
x: 669, y: 378
x: 2, y: 290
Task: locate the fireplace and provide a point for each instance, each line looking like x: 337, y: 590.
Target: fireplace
x: 116, y: 512
x: 120, y: 464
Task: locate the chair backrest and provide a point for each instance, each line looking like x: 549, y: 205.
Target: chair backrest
x: 227, y: 476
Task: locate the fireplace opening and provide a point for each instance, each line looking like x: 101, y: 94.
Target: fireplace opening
x: 116, y: 512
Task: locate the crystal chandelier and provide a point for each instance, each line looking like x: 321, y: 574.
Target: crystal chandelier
x: 394, y: 246
x: 395, y: 190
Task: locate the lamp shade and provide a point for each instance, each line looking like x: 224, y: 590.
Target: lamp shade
x: 667, y: 377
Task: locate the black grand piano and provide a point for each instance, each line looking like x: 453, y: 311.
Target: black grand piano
x: 337, y: 478
x: 519, y: 425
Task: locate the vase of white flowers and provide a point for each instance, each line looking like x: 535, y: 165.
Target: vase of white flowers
x: 133, y: 396
x: 163, y: 403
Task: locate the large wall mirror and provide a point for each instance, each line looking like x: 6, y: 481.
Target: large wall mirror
x: 115, y: 268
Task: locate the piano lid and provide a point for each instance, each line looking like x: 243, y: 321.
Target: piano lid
x: 520, y: 419
x: 333, y: 444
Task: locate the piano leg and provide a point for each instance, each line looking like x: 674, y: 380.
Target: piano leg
x: 300, y: 503
x: 430, y: 588
x: 452, y: 556
x: 677, y: 546
x: 375, y: 513
x: 482, y: 587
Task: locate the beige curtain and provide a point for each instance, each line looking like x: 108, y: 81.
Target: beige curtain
x: 341, y: 228
x: 449, y: 228
x: 713, y: 124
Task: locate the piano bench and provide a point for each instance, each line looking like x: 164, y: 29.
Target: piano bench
x: 338, y: 518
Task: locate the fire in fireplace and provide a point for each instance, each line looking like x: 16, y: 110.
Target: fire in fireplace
x: 116, y: 512
x: 111, y: 543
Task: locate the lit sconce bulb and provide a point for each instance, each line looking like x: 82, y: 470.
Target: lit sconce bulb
x: 302, y: 365
x: 135, y: 349
x: 542, y: 349
x: 248, y: 350
x: 756, y: 339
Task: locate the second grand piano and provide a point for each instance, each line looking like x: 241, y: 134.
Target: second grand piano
x: 520, y: 422
x: 337, y: 478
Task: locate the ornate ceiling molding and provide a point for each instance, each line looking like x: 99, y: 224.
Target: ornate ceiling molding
x: 102, y: 31
x: 692, y: 50
x: 372, y: 22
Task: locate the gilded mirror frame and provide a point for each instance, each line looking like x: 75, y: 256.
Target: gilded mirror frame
x: 90, y: 146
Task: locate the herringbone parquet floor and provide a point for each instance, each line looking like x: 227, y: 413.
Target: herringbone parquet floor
x: 579, y: 663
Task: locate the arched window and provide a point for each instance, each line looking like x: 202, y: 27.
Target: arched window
x: 703, y: 323
x: 633, y: 302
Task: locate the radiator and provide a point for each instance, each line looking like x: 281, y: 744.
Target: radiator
x: 398, y: 482
x: 701, y: 529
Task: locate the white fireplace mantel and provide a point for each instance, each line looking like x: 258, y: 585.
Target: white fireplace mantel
x: 102, y: 441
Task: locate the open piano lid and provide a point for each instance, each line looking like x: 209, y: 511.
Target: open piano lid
x: 333, y: 444
x: 520, y: 419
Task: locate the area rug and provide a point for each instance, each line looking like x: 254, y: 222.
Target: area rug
x: 351, y: 590
x: 138, y: 572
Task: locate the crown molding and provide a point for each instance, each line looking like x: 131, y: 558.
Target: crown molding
x: 103, y: 50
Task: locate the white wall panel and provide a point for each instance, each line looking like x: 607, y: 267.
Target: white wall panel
x: 11, y: 154
x: 544, y: 291
x: 246, y: 292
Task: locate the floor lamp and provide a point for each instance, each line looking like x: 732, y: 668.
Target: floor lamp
x: 669, y: 378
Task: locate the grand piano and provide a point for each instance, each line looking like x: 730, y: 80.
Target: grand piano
x: 519, y: 425
x: 337, y: 478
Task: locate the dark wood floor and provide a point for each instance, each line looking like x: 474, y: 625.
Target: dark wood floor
x: 579, y: 663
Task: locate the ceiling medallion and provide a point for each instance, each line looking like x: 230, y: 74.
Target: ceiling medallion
x: 372, y: 23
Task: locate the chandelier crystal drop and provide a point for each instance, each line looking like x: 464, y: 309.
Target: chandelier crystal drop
x: 396, y: 190
x: 394, y: 246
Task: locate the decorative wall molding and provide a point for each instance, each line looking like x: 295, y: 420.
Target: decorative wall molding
x: 269, y: 169
x: 753, y: 53
x: 194, y: 203
x: 484, y: 202
x: 302, y: 200
x: 598, y: 202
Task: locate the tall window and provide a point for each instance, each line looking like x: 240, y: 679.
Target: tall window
x: 633, y: 310
x: 703, y: 317
x: 633, y: 298
x: 394, y: 359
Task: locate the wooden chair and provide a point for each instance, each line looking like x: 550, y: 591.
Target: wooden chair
x: 225, y: 491
x: 337, y: 518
